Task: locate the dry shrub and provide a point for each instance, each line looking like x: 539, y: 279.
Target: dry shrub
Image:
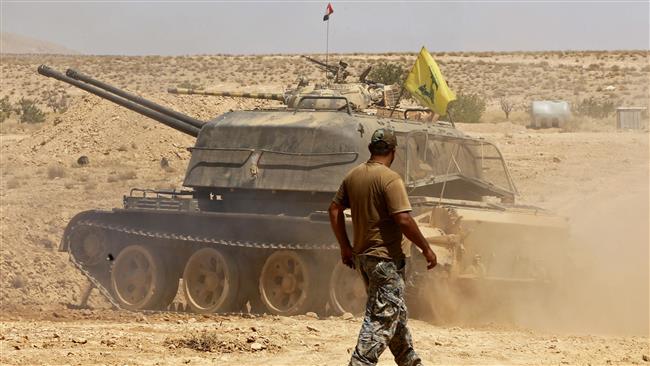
x: 128, y: 175
x: 56, y: 171
x: 18, y: 281
x: 226, y: 342
x: 13, y: 183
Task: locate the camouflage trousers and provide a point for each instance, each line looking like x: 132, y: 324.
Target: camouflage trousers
x: 384, y: 322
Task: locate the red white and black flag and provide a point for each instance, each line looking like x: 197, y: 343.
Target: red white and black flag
x: 328, y: 11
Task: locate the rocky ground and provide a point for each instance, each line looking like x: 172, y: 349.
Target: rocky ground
x: 594, y: 175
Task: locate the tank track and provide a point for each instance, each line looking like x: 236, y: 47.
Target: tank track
x: 123, y: 229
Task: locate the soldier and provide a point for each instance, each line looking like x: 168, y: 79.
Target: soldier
x: 380, y: 214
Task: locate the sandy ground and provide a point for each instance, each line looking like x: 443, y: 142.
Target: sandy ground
x: 104, y: 337
x: 597, y: 179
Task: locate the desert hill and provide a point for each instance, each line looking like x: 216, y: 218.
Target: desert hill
x: 17, y: 44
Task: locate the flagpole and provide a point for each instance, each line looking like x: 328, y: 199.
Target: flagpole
x: 327, y: 49
x: 397, y: 101
x: 400, y: 93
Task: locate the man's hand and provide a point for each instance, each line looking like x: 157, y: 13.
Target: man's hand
x: 431, y: 258
x: 347, y: 257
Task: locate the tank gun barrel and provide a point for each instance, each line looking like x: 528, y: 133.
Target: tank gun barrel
x: 134, y: 98
x: 271, y: 96
x: 320, y: 63
x: 163, y: 118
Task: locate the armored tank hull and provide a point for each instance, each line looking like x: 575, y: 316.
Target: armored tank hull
x: 249, y: 232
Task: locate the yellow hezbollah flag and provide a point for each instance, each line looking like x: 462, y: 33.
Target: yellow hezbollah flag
x: 426, y: 84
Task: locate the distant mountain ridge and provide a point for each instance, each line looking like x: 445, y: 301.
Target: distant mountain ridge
x: 11, y: 43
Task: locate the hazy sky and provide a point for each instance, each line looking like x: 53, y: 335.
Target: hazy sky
x: 202, y: 27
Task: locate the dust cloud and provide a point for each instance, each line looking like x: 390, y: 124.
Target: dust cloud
x: 600, y: 281
x: 607, y: 283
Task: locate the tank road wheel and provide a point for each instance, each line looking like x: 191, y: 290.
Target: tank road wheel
x: 287, y: 283
x: 137, y: 278
x: 210, y: 281
x: 89, y: 247
x: 347, y: 292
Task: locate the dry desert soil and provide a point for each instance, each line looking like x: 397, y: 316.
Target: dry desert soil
x: 589, y: 172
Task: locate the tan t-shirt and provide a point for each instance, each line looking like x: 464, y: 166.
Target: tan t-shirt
x: 374, y: 193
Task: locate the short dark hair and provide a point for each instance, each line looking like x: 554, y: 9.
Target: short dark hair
x: 380, y: 148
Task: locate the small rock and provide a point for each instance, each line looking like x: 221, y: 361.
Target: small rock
x: 311, y: 314
x: 79, y: 340
x: 313, y: 329
x: 172, y: 346
x: 83, y: 160
x: 250, y: 339
x: 108, y: 342
x: 556, y: 159
x: 254, y: 329
x: 347, y: 316
x: 646, y: 358
x: 191, y: 320
x: 437, y: 343
x: 16, y: 347
x: 257, y: 346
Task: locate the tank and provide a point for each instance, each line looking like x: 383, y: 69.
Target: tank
x: 249, y: 229
x: 364, y: 96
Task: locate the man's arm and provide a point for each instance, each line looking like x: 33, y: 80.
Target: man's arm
x: 410, y: 228
x: 337, y: 220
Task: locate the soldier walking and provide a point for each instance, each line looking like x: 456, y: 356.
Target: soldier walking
x: 380, y: 215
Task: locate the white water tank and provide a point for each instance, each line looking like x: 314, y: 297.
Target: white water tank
x: 549, y: 113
